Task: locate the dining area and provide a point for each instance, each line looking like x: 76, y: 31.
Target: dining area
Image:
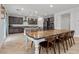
x: 50, y: 40
x: 54, y: 33
x: 39, y: 29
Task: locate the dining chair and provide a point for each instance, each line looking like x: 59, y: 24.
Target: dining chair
x: 48, y: 44
x: 71, y: 37
x: 60, y: 40
x: 66, y: 39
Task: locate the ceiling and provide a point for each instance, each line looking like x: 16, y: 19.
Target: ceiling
x: 37, y: 9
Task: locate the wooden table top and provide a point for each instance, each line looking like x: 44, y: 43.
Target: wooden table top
x: 45, y: 33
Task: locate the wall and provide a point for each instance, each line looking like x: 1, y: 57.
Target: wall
x: 2, y: 28
x: 74, y: 19
x: 57, y: 21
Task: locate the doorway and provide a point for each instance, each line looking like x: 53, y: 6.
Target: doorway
x: 65, y: 21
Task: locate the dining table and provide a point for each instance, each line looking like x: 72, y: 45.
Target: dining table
x: 39, y: 36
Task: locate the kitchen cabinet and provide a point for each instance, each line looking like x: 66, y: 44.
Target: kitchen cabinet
x: 15, y: 21
x: 13, y: 30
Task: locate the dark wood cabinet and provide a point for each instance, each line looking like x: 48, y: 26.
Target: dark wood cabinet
x: 13, y: 30
x: 15, y: 20
x: 48, y: 23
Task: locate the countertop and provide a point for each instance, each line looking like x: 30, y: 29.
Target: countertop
x: 19, y: 25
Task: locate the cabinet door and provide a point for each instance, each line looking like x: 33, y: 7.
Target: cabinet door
x: 15, y: 20
x: 13, y: 30
x: 11, y: 20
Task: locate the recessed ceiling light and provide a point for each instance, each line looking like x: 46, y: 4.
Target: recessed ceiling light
x: 51, y: 6
x: 36, y: 12
x: 22, y: 9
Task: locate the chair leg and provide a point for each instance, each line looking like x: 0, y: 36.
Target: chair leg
x: 58, y: 47
x: 39, y: 50
x: 31, y: 44
x: 63, y: 47
x: 66, y: 44
x: 54, y: 49
x: 73, y: 40
x: 47, y: 50
x: 69, y: 42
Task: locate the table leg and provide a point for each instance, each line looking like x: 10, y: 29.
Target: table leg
x: 24, y: 31
x: 26, y: 39
x: 36, y: 42
x: 36, y: 48
x: 26, y: 42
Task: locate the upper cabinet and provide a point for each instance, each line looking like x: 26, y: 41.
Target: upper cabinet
x: 15, y: 20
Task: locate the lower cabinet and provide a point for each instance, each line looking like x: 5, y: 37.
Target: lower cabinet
x: 13, y: 30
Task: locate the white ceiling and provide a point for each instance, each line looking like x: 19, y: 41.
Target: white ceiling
x: 43, y: 9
